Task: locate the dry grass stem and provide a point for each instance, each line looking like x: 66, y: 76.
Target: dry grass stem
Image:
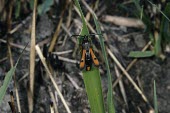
x: 122, y: 89
x: 12, y: 103
x: 23, y: 77
x: 131, y: 64
x: 20, y: 25
x: 52, y: 108
x: 72, y: 81
x: 68, y: 33
x: 127, y: 75
x: 9, y: 25
x: 3, y: 59
x: 140, y: 111
x: 88, y: 7
x: 15, y: 82
x: 88, y: 24
x: 62, y: 52
x: 32, y: 58
x: 69, y: 16
x: 54, y: 39
x: 15, y: 45
x: 66, y: 30
x: 124, y: 21
x: 66, y: 37
x: 51, y: 77
x: 68, y: 60
x: 53, y: 100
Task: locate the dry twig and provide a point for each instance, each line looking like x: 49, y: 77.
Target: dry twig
x: 51, y: 77
x: 54, y: 105
x: 12, y: 103
x: 131, y: 64
x: 53, y: 41
x: 127, y: 75
x: 32, y: 58
x: 122, y: 21
x: 122, y: 89
x: 9, y: 21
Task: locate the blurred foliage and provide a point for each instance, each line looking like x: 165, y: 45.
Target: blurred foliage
x: 17, y: 8
x: 158, y: 28
x: 45, y: 6
x: 137, y: 54
x: 155, y: 98
x: 8, y: 78
x: 165, y: 25
x: 110, y: 99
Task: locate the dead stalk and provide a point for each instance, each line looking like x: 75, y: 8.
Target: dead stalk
x: 32, y: 57
x: 9, y: 21
x: 127, y: 75
x: 51, y: 77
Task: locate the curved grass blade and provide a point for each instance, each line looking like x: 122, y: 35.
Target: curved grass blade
x: 8, y: 78
x: 141, y: 54
x: 91, y: 78
x: 155, y: 99
x: 111, y: 108
x: 142, y: 15
x: 165, y: 24
x: 84, y: 30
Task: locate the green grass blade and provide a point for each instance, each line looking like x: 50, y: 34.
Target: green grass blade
x: 141, y: 14
x: 165, y: 24
x: 17, y: 8
x: 136, y: 2
x: 155, y: 99
x: 6, y: 82
x: 94, y: 90
x: 85, y: 30
x: 141, y: 54
x: 92, y: 78
x: 111, y: 108
x: 8, y: 78
x: 157, y: 44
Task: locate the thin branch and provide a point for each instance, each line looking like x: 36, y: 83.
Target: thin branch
x: 32, y: 57
x: 127, y: 75
x: 51, y: 77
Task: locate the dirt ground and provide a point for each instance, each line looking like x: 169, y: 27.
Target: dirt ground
x: 121, y: 41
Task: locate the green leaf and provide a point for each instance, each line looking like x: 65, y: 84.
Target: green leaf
x: 136, y: 2
x: 110, y: 102
x: 18, y: 8
x: 142, y: 15
x: 84, y: 30
x: 165, y: 24
x: 8, y: 78
x: 31, y: 3
x: 6, y: 82
x: 155, y: 99
x: 45, y: 6
x: 157, y: 44
x: 140, y: 54
x: 92, y: 83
